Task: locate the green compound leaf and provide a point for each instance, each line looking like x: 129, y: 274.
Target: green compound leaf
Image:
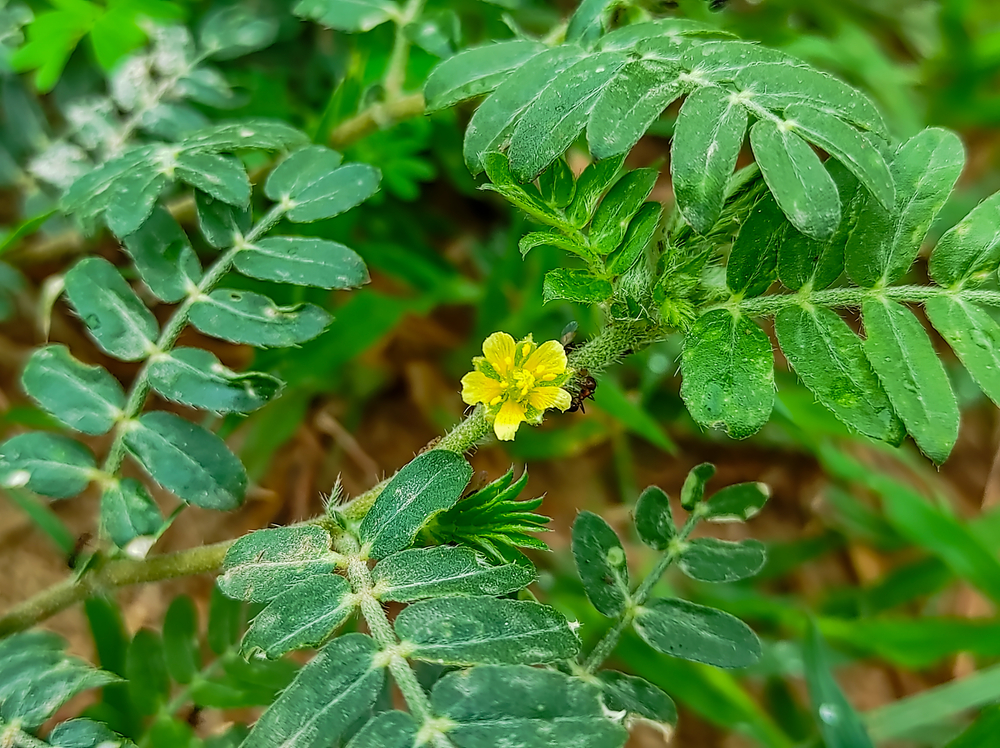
x: 753, y: 261
x: 547, y: 238
x: 48, y: 464
x: 728, y: 373
x: 180, y: 640
x: 630, y: 104
x: 37, y: 677
x: 526, y: 197
x: 697, y: 633
x: 777, y: 85
x: 593, y: 182
x: 971, y: 249
x: 654, y: 519
x: 473, y: 630
x: 557, y: 184
x: 707, y: 140
x: 233, y: 31
x: 839, y: 724
x: 803, y: 260
x: 428, y: 484
x: 163, y: 256
x: 641, y: 231
x: 588, y: 21
x: 575, y: 285
x: 247, y: 317
x: 797, y: 179
x: 392, y: 729
x: 830, y: 360
x: 445, y: 571
x: 884, y: 244
x: 491, y: 125
x: 619, y: 206
x: 222, y: 177
x: 974, y: 336
x: 263, y: 564
x: 718, y: 61
x: 693, y: 489
x: 129, y: 512
x: 222, y: 225
x: 637, y: 696
x: 736, y: 503
x: 551, y: 122
x: 675, y: 31
x: 313, y: 184
x: 196, y: 378
x: 713, y: 560
x: 347, y: 15
x: 476, y: 71
x: 85, y: 733
x: 848, y: 146
x: 302, y: 261
x: 523, y: 707
x: 266, y: 134
x: 302, y: 616
x: 119, y: 322
x: 133, y: 199
x: 327, y: 696
x: 914, y: 378
x: 601, y: 563
x: 85, y: 398
x: 190, y: 462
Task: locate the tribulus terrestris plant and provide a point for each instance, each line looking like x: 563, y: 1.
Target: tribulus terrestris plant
x: 416, y: 595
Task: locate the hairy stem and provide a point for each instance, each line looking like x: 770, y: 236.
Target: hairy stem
x: 395, y: 74
x: 847, y: 297
x: 609, y: 641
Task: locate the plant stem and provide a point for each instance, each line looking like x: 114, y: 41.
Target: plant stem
x: 609, y: 641
x: 847, y: 297
x: 395, y: 74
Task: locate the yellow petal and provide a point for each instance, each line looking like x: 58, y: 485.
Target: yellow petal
x: 508, y: 419
x: 499, y: 351
x: 549, y: 358
x: 479, y: 388
x: 549, y: 397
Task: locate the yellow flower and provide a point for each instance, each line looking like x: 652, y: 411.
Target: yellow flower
x: 517, y: 381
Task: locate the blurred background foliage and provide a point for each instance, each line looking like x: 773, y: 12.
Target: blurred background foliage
x: 895, y: 561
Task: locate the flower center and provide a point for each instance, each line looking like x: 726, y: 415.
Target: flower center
x: 522, y: 382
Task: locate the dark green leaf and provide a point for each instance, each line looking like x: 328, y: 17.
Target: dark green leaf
x: 797, y: 179
x: 192, y: 463
x: 693, y: 490
x: 654, y: 519
x: 980, y: 732
x: 222, y: 177
x: 115, y: 317
x: 523, y: 707
x: 163, y: 256
x: 195, y: 377
x: 600, y: 560
x: 611, y: 220
x: 753, y: 260
x: 707, y: 140
x: 85, y: 733
x: 313, y: 184
x: 593, y: 182
x: 693, y: 632
x: 974, y: 336
x: 146, y: 668
x: 476, y: 71
x: 575, y: 285
x: 445, y: 571
x: 551, y: 122
x: 557, y: 184
x: 712, y: 560
x: 129, y: 512
x: 736, y: 503
x: 635, y: 695
x: 392, y: 729
x: 180, y: 639
x: 728, y: 373
x: 830, y: 360
x: 587, y: 21
x: 884, y: 244
x: 912, y: 375
x: 247, y: 317
x: 473, y: 630
x: 225, y: 620
x: 641, y: 231
x: 233, y: 31
x: 839, y: 724
x: 263, y: 564
x: 222, y: 225
x: 971, y: 249
x: 303, y: 261
x: 347, y: 15
x: 266, y: 134
x: 336, y: 688
x: 302, y: 616
x: 85, y: 398
x: 723, y: 60
x: 430, y: 483
x: 48, y: 464
x: 630, y: 104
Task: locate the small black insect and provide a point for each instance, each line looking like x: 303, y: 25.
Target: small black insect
x: 588, y: 385
x: 73, y: 557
